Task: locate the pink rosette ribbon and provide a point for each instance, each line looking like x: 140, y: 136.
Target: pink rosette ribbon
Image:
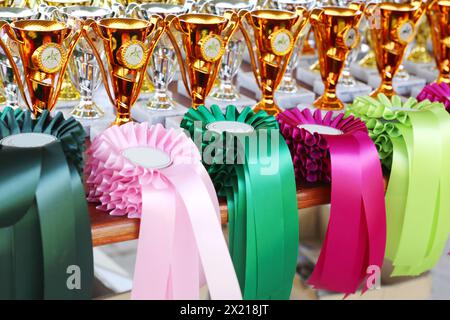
x: 355, y: 241
x: 180, y: 237
x: 436, y: 92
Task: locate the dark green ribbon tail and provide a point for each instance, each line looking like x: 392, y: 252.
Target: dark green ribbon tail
x: 45, y: 237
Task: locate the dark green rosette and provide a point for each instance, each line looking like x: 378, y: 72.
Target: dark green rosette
x: 253, y: 169
x: 45, y: 236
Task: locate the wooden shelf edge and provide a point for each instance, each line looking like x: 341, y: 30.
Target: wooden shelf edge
x: 107, y: 229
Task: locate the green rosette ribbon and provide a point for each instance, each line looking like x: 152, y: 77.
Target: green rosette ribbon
x: 246, y: 168
x: 413, y: 142
x: 45, y: 235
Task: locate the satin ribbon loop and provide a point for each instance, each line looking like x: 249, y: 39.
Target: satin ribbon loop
x: 414, y: 150
x: 356, y: 232
x: 180, y: 231
x: 45, y: 230
x: 263, y: 231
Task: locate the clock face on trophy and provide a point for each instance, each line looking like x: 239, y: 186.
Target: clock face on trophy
x: 133, y: 54
x: 49, y: 57
x: 281, y: 42
x: 212, y: 48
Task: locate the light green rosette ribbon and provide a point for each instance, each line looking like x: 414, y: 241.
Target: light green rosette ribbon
x: 413, y: 141
x: 254, y: 171
x: 45, y: 236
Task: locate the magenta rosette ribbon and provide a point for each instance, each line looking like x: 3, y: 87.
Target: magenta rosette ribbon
x: 436, y: 92
x: 156, y: 175
x: 337, y: 149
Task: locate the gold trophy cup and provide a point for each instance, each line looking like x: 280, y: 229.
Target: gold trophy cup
x: 204, y: 38
x: 439, y: 18
x: 41, y: 47
x: 68, y: 90
x: 336, y: 32
x: 392, y: 27
x: 275, y: 33
x: 128, y: 44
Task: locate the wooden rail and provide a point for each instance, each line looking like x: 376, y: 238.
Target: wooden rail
x: 107, y: 229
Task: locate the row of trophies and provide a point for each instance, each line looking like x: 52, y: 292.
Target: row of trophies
x: 126, y: 45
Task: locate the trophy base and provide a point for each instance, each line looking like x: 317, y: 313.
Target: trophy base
x: 307, y: 60
x: 303, y: 106
x: 95, y: 127
x: 92, y: 126
x: 68, y: 92
x: 363, y: 74
x: 284, y: 100
x: 240, y: 104
x: 345, y: 93
x: 427, y: 71
x: 229, y: 95
x: 415, y: 91
x: 401, y: 87
x: 141, y: 113
x: 66, y: 104
x: 307, y: 76
x: 174, y: 122
x: 85, y: 111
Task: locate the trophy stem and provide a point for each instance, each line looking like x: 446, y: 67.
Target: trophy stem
x: 225, y: 90
x: 122, y: 113
x: 68, y: 91
x: 267, y: 104
x: 160, y: 99
x: 444, y: 73
x: 288, y: 83
x: 386, y: 87
x: 12, y: 94
x: 329, y: 99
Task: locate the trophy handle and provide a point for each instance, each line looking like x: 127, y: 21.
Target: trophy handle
x: 302, y: 19
x: 73, y: 42
x: 169, y: 20
x: 421, y: 8
x: 431, y: 3
x: 233, y: 23
x: 132, y: 10
x: 303, y: 16
x: 159, y: 28
x: 245, y: 15
x: 315, y: 15
x: 5, y: 26
x: 91, y: 23
x: 359, y: 6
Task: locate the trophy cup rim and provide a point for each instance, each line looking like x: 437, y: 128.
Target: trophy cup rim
x: 201, y: 18
x: 392, y: 6
x: 339, y: 11
x: 273, y: 14
x: 444, y: 3
x: 17, y: 12
x: 66, y: 3
x: 69, y: 10
x: 125, y: 23
x: 165, y: 8
x: 233, y: 4
x: 44, y: 25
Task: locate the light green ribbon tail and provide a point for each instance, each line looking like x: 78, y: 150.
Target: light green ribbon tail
x: 413, y: 141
